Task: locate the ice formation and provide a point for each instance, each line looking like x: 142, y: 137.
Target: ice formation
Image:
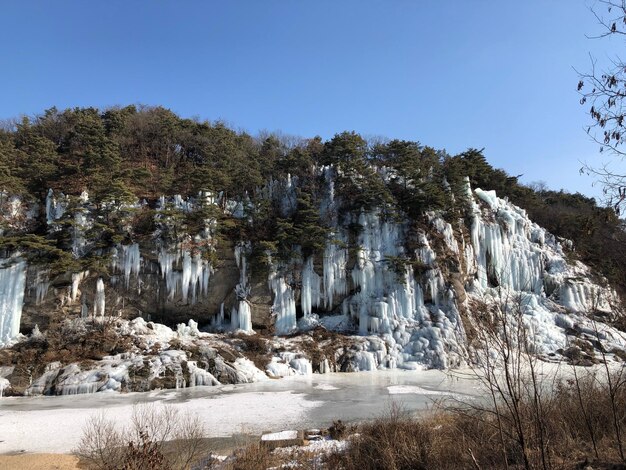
x: 99, y: 300
x: 127, y: 260
x: 42, y: 285
x: 12, y: 284
x: 335, y: 269
x: 408, y: 320
x: 284, y: 306
x: 287, y: 364
x: 192, y: 278
x: 54, y: 208
x: 522, y: 267
x: 311, y: 288
x: 508, y: 250
x: 408, y: 292
x: 82, y: 223
x: 115, y: 373
x: 77, y: 278
x: 241, y: 317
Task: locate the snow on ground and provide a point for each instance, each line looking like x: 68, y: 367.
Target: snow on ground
x: 280, y: 436
x: 323, y: 446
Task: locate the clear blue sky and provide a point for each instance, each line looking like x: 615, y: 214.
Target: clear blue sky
x: 453, y: 75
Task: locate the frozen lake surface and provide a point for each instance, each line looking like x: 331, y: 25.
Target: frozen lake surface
x: 54, y: 424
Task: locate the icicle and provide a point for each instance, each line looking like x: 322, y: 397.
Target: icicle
x: 50, y: 206
x: 99, y: 300
x: 310, y: 293
x: 244, y: 315
x: 193, y: 279
x: 234, y: 319
x: 42, y: 284
x: 166, y: 263
x: 81, y: 224
x: 77, y: 278
x: 12, y: 283
x: 335, y: 263
x: 84, y: 309
x: 54, y: 209
x: 284, y: 306
x: 219, y: 321
x: 127, y: 260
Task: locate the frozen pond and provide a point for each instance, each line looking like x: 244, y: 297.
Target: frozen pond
x: 54, y: 424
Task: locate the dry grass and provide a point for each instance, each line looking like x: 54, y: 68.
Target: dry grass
x: 158, y: 438
x: 577, y: 429
x: 256, y: 348
x: 253, y: 457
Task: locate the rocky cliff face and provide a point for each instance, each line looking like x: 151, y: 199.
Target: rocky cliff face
x: 402, y: 293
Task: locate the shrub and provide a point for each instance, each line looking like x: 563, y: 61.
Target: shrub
x: 157, y: 438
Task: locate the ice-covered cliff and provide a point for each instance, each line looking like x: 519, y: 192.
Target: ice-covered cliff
x: 401, y: 293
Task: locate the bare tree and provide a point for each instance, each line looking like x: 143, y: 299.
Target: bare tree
x: 603, y: 89
x: 102, y: 444
x: 157, y: 434
x: 507, y: 366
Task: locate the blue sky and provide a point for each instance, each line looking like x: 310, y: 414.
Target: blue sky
x: 453, y: 75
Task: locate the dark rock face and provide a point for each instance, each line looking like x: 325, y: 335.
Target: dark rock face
x: 145, y: 295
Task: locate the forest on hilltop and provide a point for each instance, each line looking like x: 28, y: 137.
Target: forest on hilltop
x: 122, y: 154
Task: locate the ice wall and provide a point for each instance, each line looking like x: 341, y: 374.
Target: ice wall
x: 522, y: 270
x: 508, y: 250
x: 384, y: 291
x: 12, y: 284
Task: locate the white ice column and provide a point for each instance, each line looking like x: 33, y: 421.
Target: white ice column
x: 128, y: 261
x: 245, y: 316
x: 310, y: 292
x: 12, y: 283
x: 284, y: 306
x: 99, y: 300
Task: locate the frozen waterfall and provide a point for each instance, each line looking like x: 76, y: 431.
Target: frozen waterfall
x: 12, y: 284
x: 241, y: 318
x: 505, y: 253
x: 311, y: 284
x: 284, y: 306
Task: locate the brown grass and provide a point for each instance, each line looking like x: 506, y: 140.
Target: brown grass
x: 65, y: 343
x: 467, y: 436
x: 256, y: 348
